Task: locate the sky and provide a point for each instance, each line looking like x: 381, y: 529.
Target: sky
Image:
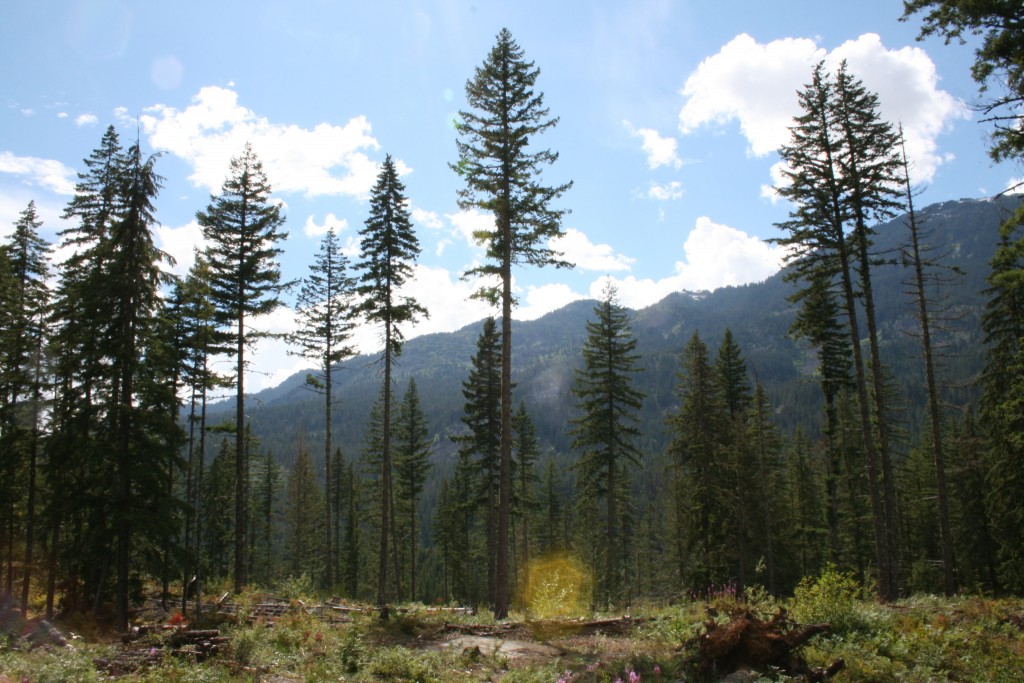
x: 670, y: 117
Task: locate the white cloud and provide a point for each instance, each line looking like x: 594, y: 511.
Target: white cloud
x: 544, y: 299
x: 753, y: 83
x: 756, y: 85
x: 779, y: 179
x: 661, y: 151
x: 670, y: 190
x: 324, y: 160
x: 181, y: 243
x: 577, y: 249
x: 428, y: 219
x: 86, y: 120
x: 714, y: 256
x: 465, y: 223
x: 47, y: 173
x: 62, y: 115
x: 312, y: 229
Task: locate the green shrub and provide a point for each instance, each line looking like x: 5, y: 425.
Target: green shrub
x: 833, y: 598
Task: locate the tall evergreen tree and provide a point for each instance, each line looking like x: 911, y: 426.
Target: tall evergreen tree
x: 502, y: 176
x: 839, y: 172
x: 412, y: 465
x: 606, y: 431
x: 1002, y: 405
x: 305, y: 511
x: 388, y: 249
x: 242, y: 227
x: 697, y: 453
x: 324, y: 315
x: 24, y: 304
x: 527, y: 448
x: 482, y: 445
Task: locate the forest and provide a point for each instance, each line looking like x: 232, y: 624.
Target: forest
x: 662, y: 472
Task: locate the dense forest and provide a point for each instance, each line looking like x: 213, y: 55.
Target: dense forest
x: 864, y: 408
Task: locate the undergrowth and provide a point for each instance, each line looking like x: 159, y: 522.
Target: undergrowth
x: 923, y: 638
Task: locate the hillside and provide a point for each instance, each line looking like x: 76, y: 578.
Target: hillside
x: 546, y: 350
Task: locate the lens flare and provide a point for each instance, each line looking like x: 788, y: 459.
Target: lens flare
x: 556, y: 587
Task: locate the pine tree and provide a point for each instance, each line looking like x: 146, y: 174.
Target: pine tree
x: 1002, y: 404
x: 324, y: 315
x: 305, y: 510
x: 482, y: 415
x: 606, y: 431
x: 503, y: 177
x: 24, y: 303
x: 242, y: 227
x: 412, y: 464
x: 697, y: 452
x: 527, y: 448
x: 839, y: 168
x: 388, y: 249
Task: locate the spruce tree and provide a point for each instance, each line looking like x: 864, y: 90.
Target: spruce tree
x: 242, y: 228
x: 524, y: 498
x: 480, y: 449
x: 697, y: 453
x: 502, y: 176
x: 606, y: 431
x: 24, y: 304
x: 412, y: 465
x: 324, y: 311
x: 304, y: 511
x: 388, y: 249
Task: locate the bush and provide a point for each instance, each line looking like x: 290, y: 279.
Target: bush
x: 834, y: 598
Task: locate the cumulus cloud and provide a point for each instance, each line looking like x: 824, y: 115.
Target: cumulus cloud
x: 544, y: 299
x: 466, y: 223
x: 324, y: 160
x: 426, y: 218
x: 313, y: 229
x: 779, y: 179
x: 49, y: 174
x: 662, y: 193
x: 86, y: 120
x: 715, y: 256
x: 755, y: 85
x: 181, y: 243
x: 660, y: 151
x: 576, y: 248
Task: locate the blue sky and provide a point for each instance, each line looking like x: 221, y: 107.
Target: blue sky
x: 671, y: 113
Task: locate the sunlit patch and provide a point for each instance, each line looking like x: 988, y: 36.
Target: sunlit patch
x: 99, y: 30
x: 454, y: 120
x: 166, y: 72
x: 556, y: 587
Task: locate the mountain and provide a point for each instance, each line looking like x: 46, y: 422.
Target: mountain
x: 546, y: 350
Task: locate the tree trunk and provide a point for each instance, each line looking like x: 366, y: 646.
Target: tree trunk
x: 240, y: 457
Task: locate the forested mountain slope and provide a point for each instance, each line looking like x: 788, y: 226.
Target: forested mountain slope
x: 759, y: 315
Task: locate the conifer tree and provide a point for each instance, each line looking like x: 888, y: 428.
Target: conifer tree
x: 697, y: 453
x: 482, y: 446
x: 305, y: 510
x: 606, y: 431
x: 388, y: 249
x: 412, y: 464
x: 324, y: 311
x: 840, y: 172
x: 24, y: 304
x: 502, y: 177
x: 242, y: 227
x: 527, y: 448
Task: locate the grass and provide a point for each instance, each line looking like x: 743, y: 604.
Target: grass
x: 922, y: 638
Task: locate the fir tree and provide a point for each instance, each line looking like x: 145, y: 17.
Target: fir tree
x: 388, y: 249
x: 606, y: 431
x: 502, y: 176
x: 242, y: 227
x: 412, y: 464
x: 324, y: 311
